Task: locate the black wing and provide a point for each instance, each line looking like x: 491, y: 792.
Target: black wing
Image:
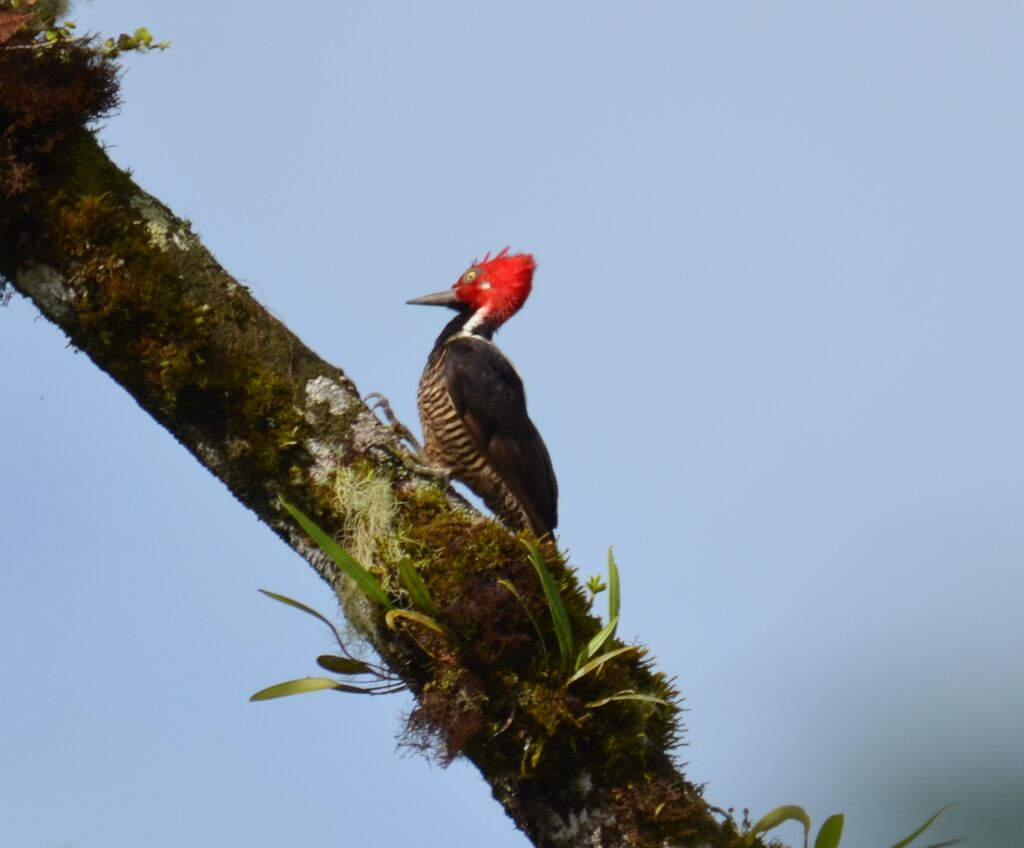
x: 488, y: 395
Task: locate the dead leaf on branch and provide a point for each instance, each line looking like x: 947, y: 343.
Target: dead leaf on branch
x: 10, y: 23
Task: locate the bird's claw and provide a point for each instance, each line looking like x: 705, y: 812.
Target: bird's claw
x: 417, y: 458
x: 376, y: 401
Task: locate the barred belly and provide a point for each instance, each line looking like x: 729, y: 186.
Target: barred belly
x: 450, y: 446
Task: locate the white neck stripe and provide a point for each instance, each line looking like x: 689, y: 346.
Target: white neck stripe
x: 478, y: 318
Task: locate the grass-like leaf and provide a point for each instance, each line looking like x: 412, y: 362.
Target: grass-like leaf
x: 593, y: 647
x: 563, y: 627
x: 597, y: 662
x: 780, y: 815
x: 831, y: 832
x: 301, y: 686
x: 416, y: 588
x: 515, y: 593
x: 284, y: 599
x: 362, y: 578
x: 630, y: 696
x: 907, y: 840
x: 614, y: 598
x: 342, y: 665
x: 393, y: 616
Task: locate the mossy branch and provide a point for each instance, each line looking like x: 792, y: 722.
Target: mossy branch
x: 134, y: 289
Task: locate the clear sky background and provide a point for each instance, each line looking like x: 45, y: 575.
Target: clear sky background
x: 774, y: 346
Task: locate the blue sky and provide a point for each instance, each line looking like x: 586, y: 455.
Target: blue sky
x: 774, y: 347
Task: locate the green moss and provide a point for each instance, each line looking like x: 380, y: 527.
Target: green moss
x: 533, y: 720
x: 125, y: 289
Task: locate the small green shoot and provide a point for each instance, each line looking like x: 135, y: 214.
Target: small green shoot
x: 48, y: 32
x: 141, y: 40
x: 303, y: 685
x: 386, y: 682
x: 342, y: 558
x: 284, y: 599
x: 907, y: 840
x: 831, y: 832
x: 597, y: 662
x: 342, y: 665
x: 778, y: 816
x: 394, y: 615
x: 590, y: 656
x: 563, y: 626
x: 614, y: 597
x: 593, y: 647
x: 416, y: 588
x: 595, y: 585
x: 630, y: 695
x: 832, y: 829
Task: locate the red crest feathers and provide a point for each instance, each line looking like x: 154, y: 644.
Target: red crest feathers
x: 500, y: 284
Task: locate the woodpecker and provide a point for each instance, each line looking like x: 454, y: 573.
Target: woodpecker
x: 471, y: 399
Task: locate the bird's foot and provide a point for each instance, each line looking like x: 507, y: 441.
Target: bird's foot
x: 441, y: 476
x: 377, y: 401
x: 415, y: 456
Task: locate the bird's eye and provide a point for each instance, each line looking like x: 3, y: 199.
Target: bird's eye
x: 471, y: 275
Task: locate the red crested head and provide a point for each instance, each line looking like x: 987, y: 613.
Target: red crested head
x: 498, y: 286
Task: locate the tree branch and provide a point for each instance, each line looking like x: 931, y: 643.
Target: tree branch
x: 573, y: 763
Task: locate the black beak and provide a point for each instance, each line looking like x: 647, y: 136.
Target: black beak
x: 441, y: 298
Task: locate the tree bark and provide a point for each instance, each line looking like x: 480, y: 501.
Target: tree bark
x: 580, y: 763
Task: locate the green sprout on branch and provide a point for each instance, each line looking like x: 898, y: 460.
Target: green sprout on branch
x: 574, y: 664
x: 39, y: 24
x: 832, y: 829
x: 346, y: 665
